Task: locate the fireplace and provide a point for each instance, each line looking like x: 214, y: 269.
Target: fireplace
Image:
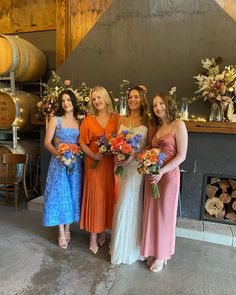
x: 219, y: 199
x: 211, y: 154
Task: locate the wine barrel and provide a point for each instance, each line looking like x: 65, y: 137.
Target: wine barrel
x: 20, y: 56
x: 26, y: 147
x: 16, y: 110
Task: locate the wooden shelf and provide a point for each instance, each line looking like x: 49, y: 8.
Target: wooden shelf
x: 211, y: 127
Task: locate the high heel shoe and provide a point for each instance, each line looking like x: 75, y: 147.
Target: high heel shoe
x: 101, y: 239
x: 157, y: 265
x: 62, y: 242
x: 93, y: 247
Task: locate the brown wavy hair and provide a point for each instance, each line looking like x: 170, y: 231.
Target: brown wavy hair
x: 60, y: 111
x: 171, y: 110
x: 144, y: 112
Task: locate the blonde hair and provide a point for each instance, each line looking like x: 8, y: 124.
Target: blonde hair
x: 105, y: 96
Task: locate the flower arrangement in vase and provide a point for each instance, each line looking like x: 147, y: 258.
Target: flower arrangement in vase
x: 218, y: 87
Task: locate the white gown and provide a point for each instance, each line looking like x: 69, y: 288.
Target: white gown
x: 127, y: 218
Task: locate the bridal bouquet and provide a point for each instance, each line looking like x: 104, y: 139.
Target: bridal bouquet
x: 68, y: 153
x: 103, y: 148
x: 123, y: 146
x: 150, y: 162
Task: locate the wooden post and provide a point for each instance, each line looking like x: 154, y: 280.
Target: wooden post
x: 74, y: 21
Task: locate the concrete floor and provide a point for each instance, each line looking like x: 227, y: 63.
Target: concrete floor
x: 32, y: 263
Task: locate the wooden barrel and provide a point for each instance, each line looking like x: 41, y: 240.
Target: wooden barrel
x: 26, y: 147
x: 16, y: 110
x: 19, y: 56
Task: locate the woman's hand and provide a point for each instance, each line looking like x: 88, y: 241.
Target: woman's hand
x: 156, y: 178
x: 98, y: 156
x: 124, y: 162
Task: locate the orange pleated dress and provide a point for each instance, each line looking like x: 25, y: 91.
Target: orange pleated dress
x: 98, y: 189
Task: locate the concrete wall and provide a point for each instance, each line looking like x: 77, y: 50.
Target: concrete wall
x: 153, y: 42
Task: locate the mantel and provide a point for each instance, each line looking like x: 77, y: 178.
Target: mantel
x: 211, y: 127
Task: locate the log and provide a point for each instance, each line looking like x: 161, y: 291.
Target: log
x: 231, y: 216
x: 234, y: 205
x: 214, y: 205
x: 220, y: 214
x: 232, y: 183
x: 233, y: 194
x: 211, y: 190
x: 214, y: 180
x: 225, y: 198
x: 224, y: 185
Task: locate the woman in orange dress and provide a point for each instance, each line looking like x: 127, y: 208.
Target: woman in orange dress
x: 98, y: 191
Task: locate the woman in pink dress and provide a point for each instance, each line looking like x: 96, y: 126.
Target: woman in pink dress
x: 159, y: 221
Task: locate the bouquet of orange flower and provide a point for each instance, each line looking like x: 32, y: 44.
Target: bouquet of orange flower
x: 150, y: 162
x: 123, y: 146
x: 103, y: 148
x: 68, y: 153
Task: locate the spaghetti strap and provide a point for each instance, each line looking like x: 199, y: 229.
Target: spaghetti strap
x: 173, y: 127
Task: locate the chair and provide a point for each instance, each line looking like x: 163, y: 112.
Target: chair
x: 10, y: 183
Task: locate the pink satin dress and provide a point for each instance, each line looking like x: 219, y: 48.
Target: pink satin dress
x: 159, y: 219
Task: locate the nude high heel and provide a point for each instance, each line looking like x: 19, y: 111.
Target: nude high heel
x: 93, y: 247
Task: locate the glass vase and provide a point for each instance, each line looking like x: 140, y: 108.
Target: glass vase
x: 215, y: 112
x: 123, y: 107
x: 184, y: 108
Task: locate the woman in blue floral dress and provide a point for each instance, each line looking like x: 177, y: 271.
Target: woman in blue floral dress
x: 63, y: 190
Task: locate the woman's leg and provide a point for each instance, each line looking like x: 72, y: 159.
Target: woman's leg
x: 62, y: 238
x: 67, y: 232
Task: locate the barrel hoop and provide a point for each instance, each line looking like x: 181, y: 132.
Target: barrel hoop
x: 26, y: 59
x: 15, y: 54
x: 18, y: 114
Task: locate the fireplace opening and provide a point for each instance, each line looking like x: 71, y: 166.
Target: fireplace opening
x: 219, y: 199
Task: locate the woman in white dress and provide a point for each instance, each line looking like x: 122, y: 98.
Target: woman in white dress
x: 127, y: 218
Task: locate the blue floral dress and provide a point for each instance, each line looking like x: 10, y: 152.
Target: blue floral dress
x: 62, y: 196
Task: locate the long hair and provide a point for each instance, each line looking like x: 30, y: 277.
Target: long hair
x: 60, y: 111
x: 105, y: 96
x: 143, y: 102
x: 171, y: 110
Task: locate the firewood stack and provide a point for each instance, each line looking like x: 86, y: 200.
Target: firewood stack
x: 221, y: 198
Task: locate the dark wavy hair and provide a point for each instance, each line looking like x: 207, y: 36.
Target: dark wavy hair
x: 144, y: 104
x: 171, y: 110
x: 60, y: 111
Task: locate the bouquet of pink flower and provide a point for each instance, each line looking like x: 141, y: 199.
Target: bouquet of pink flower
x: 123, y: 146
x: 103, y: 148
x: 68, y: 154
x: 150, y: 162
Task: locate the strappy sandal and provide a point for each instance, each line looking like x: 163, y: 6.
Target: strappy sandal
x: 62, y: 242
x: 158, y: 265
x: 67, y: 235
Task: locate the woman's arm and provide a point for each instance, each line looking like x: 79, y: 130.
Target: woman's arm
x: 181, y: 136
x: 52, y: 124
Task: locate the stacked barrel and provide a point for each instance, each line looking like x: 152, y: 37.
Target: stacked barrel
x: 28, y: 64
